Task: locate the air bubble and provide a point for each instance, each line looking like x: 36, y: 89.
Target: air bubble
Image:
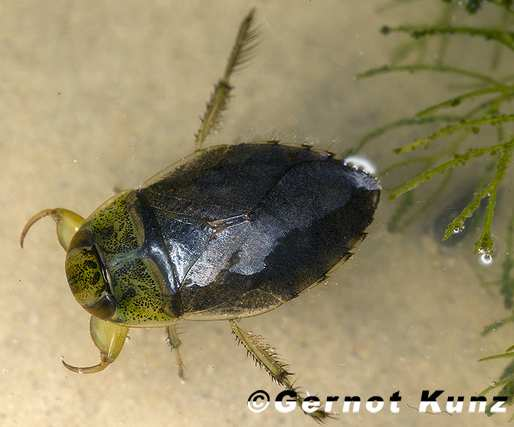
x: 485, y: 258
x: 458, y: 230
x: 362, y: 163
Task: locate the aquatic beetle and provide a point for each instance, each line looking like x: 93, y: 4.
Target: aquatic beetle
x: 231, y: 231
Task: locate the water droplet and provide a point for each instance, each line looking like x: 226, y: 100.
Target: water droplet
x: 485, y: 258
x: 458, y: 230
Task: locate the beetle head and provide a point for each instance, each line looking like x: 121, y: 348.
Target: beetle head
x: 87, y: 276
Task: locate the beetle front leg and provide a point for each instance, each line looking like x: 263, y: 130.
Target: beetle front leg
x: 174, y: 343
x: 109, y: 338
x: 66, y: 221
x: 266, y: 357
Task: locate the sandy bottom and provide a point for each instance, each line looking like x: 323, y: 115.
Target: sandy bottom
x: 102, y: 94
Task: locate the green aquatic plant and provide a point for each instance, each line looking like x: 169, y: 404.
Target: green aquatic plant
x: 506, y: 380
x: 507, y: 277
x: 472, y: 6
x: 485, y: 105
x: 506, y: 281
x: 459, y: 139
x: 505, y: 383
x: 504, y: 37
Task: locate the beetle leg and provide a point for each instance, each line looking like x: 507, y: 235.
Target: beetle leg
x: 109, y: 338
x: 175, y: 343
x: 67, y: 224
x: 266, y: 357
x: 241, y: 52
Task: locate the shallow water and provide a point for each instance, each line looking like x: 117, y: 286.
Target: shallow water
x: 102, y: 94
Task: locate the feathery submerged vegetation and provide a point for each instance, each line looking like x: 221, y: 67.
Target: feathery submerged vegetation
x: 485, y: 105
x: 460, y: 138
